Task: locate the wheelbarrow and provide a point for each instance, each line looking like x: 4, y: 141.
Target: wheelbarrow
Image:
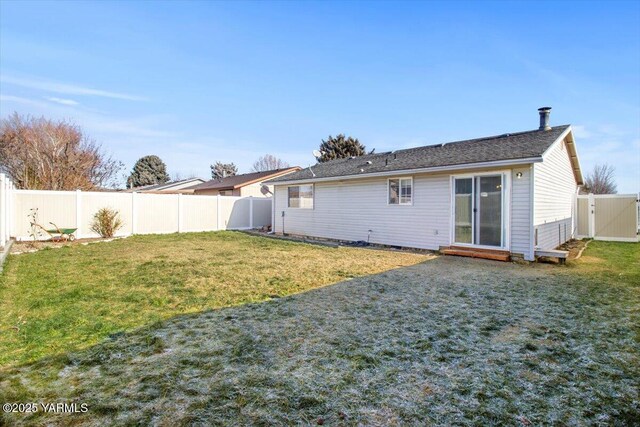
x: 58, y: 234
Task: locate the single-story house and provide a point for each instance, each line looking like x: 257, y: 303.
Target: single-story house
x: 184, y: 186
x: 508, y: 194
x: 248, y: 184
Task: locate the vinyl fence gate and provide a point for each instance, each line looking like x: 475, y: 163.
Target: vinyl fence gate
x: 613, y: 217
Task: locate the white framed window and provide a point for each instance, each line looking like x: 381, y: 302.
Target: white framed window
x: 301, y: 196
x: 400, y: 191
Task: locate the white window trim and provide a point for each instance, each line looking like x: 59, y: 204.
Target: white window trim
x: 313, y: 198
x: 410, y: 178
x: 506, y: 208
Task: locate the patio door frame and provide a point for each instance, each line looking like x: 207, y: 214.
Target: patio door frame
x: 505, y: 214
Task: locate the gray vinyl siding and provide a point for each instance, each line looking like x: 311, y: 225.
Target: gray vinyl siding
x: 521, y: 221
x: 347, y: 210
x: 555, y: 186
x: 552, y: 234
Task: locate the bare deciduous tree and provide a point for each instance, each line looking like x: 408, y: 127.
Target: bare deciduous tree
x: 268, y: 162
x: 43, y: 154
x: 179, y: 176
x: 601, y: 180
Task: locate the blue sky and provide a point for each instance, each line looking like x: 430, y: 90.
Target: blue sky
x: 196, y: 82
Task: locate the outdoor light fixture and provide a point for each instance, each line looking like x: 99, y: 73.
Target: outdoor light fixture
x: 519, y: 175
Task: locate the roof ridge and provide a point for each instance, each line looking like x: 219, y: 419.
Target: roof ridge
x: 437, y: 145
x: 530, y: 144
x: 492, y: 137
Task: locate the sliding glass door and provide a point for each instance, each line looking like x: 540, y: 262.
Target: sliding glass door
x: 463, y: 210
x: 489, y: 210
x: 478, y: 210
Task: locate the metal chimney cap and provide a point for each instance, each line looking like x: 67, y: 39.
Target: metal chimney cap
x: 544, y: 118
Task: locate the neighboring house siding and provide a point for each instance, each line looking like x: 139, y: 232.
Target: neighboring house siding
x: 209, y: 192
x: 347, y: 210
x: 218, y: 192
x: 246, y: 191
x: 554, y: 193
x: 521, y: 222
x: 182, y: 185
x: 254, y: 190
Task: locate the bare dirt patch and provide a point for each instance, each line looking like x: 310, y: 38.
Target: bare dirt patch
x: 574, y: 247
x: 31, y: 246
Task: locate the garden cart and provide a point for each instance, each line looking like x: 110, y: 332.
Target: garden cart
x: 58, y: 234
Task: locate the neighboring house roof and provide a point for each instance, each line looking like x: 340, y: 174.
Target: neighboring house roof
x: 238, y: 181
x: 169, y: 186
x: 507, y: 148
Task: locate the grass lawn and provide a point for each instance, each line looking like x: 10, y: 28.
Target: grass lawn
x: 64, y: 299
x: 449, y: 341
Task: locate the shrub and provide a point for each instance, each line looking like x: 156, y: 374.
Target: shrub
x: 106, y: 222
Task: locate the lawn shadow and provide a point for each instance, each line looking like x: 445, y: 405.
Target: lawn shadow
x: 96, y: 290
x: 449, y: 341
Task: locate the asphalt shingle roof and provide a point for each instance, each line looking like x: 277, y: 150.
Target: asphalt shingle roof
x: 163, y: 185
x: 240, y: 180
x: 510, y: 146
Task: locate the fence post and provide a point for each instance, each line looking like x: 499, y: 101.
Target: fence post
x: 250, y: 211
x: 273, y: 210
x: 179, y: 212
x: 3, y: 209
x: 638, y: 214
x: 592, y: 216
x: 134, y: 212
x: 8, y: 208
x: 10, y: 195
x: 218, y: 212
x: 78, y: 214
x: 574, y: 216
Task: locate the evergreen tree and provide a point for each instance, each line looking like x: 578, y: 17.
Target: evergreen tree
x: 340, y: 147
x: 148, y: 170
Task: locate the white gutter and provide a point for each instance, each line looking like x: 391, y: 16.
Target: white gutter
x: 497, y: 163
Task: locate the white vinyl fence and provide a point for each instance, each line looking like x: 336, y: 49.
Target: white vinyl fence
x: 613, y: 217
x: 141, y: 213
x: 6, y: 187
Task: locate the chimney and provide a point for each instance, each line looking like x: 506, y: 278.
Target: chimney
x: 544, y: 118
